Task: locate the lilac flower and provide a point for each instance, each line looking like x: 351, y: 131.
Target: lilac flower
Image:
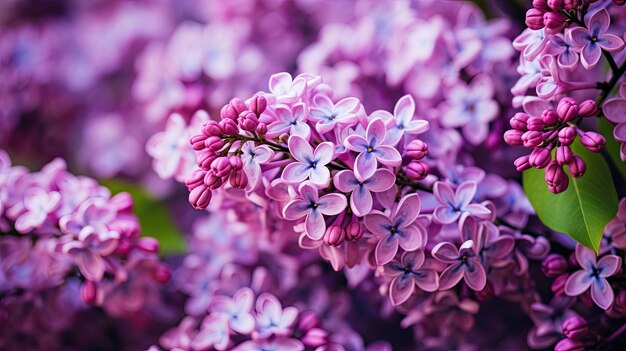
x: 214, y: 332
x: 616, y: 228
x: 253, y: 157
x: 530, y: 72
x: 271, y: 318
x: 593, y: 39
x: 236, y: 310
x: 310, y: 164
x: 407, y: 272
x: 457, y: 203
x: 292, y: 120
x: 402, y: 120
x: 398, y: 228
x: 285, y: 88
x: 593, y: 275
x: 313, y: 208
x: 371, y: 149
x: 361, y: 199
x: 615, y: 111
x: 548, y: 320
x: 464, y: 264
x: 89, y: 254
x: 470, y: 107
x: 567, y: 53
x: 38, y: 204
x: 531, y: 43
x: 490, y: 245
x: 91, y: 217
x: 329, y: 115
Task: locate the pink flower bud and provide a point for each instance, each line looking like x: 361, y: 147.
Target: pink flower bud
x: 198, y: 142
x: 235, y: 162
x: 567, y: 109
x: 212, y: 181
x: 569, y: 345
x: 588, y: 108
x: 261, y: 129
x: 416, y: 170
x: 563, y: 154
x: 205, y: 160
x: 229, y: 126
x: 549, y: 117
x: 162, y: 274
x: 214, y: 143
x: 532, y: 138
x: 354, y: 230
x: 89, y: 292
x: 554, y: 176
x: 416, y: 149
x: 569, y: 4
x: 123, y: 247
x: 534, y: 19
x: 541, y: 5
x: 239, y: 105
x: 211, y: 128
x: 315, y: 338
x: 221, y: 167
x: 536, y: 123
x: 593, y: 141
x: 522, y: 163
x: 567, y: 135
x: 238, y: 179
x: 309, y: 320
x: 228, y: 112
x: 519, y: 121
x: 554, y: 22
x: 258, y: 104
x: 148, y: 244
x: 540, y: 157
x: 248, y: 121
x: 575, y: 328
x: 576, y: 167
x: 195, y: 179
x: 513, y: 137
x: 555, y: 5
x: 334, y: 235
x: 558, y: 285
x: 554, y: 265
x: 199, y: 197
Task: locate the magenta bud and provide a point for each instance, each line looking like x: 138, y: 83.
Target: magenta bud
x: 309, y: 320
x: 261, y: 129
x: 416, y: 170
x: 315, y: 338
x: 558, y: 285
x: 540, y: 157
x: 334, y: 235
x: 534, y: 19
x: 228, y: 112
x: 213, y: 143
x: 354, y: 230
x: 575, y: 328
x: 248, y: 121
x: 555, y: 5
x: 205, y: 160
x: 229, y: 126
x: 567, y: 109
x: 195, y: 179
x: 235, y: 162
x: 588, y: 108
x: 258, y: 104
x: 238, y: 179
x: 563, y: 154
x: 211, y: 128
x: 532, y: 138
x: 148, y: 244
x: 554, y: 175
x: 569, y: 345
x: 541, y: 5
x: 89, y: 292
x: 239, y: 105
x: 416, y: 149
x: 198, y: 141
x: 559, y: 187
x: 200, y: 197
x: 522, y: 164
x: 212, y: 181
x: 567, y: 135
x: 513, y: 137
x: 554, y: 22
x: 549, y: 117
x: 576, y: 167
x: 536, y: 123
x: 554, y: 265
x: 221, y: 167
x: 593, y: 141
x: 519, y: 121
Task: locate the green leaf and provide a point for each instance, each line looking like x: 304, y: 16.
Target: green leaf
x: 153, y: 216
x: 583, y: 210
x: 612, y: 146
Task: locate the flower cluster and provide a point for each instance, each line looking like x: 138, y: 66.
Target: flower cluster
x: 561, y: 49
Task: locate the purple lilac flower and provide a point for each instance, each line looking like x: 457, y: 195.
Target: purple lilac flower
x: 402, y: 120
x: 290, y: 120
x: 594, y: 38
x: 464, y: 263
x: 253, y: 157
x: 328, y: 115
x: 361, y: 190
x: 407, y: 272
x: 614, y: 110
x: 372, y: 150
x: 311, y: 163
x: 456, y: 203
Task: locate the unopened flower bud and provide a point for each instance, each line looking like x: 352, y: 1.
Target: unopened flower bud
x: 89, y: 292
x: 238, y: 104
x: 522, y: 164
x: 235, y: 162
x: 205, y: 159
x: 549, y: 117
x: 354, y: 231
x: 238, y: 179
x: 309, y: 320
x: 213, y: 143
x: 541, y: 5
x: 534, y: 19
x: 519, y: 121
x: 532, y: 138
x: 575, y: 328
x: 416, y: 170
x: 555, y: 5
x: 211, y: 128
x: 162, y: 274
x: 248, y: 121
x: 261, y: 129
x: 558, y: 285
x: 212, y: 181
x: 567, y: 109
x: 229, y: 126
x: 554, y: 22
x: 228, y: 112
x: 195, y: 179
x: 258, y: 103
x: 567, y: 135
x: 221, y: 167
x: 554, y: 265
x: 148, y: 244
x: 513, y: 137
x: 200, y: 196
x: 593, y: 141
x: 563, y: 154
x: 416, y: 149
x: 576, y: 167
x: 540, y: 157
x: 536, y: 123
x: 334, y: 235
x: 588, y: 108
x: 554, y: 176
x: 198, y: 141
x: 315, y: 338
x: 569, y: 345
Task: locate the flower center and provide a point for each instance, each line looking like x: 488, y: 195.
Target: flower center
x: 313, y: 164
x: 407, y: 269
x: 314, y: 204
x: 596, y: 272
x: 464, y: 258
x: 393, y: 230
x: 594, y: 38
x: 370, y: 149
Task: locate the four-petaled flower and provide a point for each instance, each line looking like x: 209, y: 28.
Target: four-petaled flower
x: 285, y: 88
x: 593, y: 275
x: 89, y: 253
x: 402, y: 120
x: 253, y: 157
x: 271, y: 318
x: 361, y: 200
x: 236, y: 310
x: 566, y: 51
x: 490, y: 245
x: 371, y: 149
x: 398, y: 228
x: 310, y: 164
x: 464, y: 264
x: 91, y: 217
x: 408, y: 272
x: 214, y: 332
x: 313, y: 208
x: 457, y: 203
x: 38, y: 204
x: 593, y: 39
x: 328, y: 115
x: 292, y: 120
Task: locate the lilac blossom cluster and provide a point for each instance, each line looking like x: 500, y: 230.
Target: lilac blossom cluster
x: 561, y: 84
